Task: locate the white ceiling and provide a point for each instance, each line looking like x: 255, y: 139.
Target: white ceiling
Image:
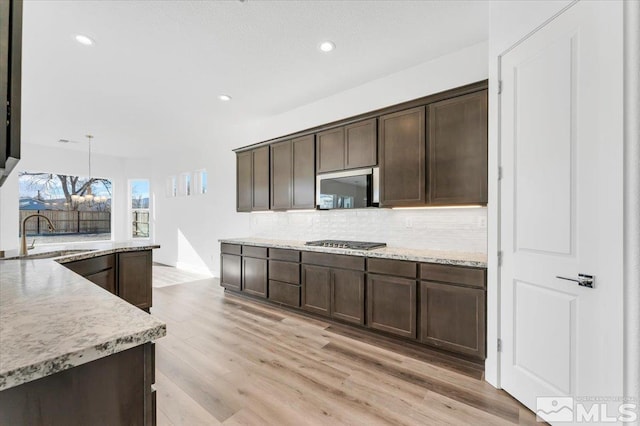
x: 152, y: 78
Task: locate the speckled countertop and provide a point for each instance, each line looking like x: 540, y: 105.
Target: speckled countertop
x: 477, y: 260
x: 52, y: 319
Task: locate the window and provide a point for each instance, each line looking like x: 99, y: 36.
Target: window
x: 79, y: 207
x: 200, y: 182
x: 139, y: 202
x: 184, y: 184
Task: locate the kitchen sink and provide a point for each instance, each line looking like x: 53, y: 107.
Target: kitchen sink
x: 49, y: 255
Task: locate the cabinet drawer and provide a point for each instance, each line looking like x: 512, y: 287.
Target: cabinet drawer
x: 287, y: 294
x: 284, y: 254
x: 287, y: 272
x: 252, y: 251
x: 91, y: 266
x: 398, y: 268
x: 454, y: 274
x: 230, y: 248
x: 335, y: 260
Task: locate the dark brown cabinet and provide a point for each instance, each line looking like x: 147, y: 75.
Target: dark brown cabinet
x: 244, y: 181
x: 316, y: 289
x: 304, y: 175
x: 10, y: 84
x: 293, y: 174
x: 361, y: 144
x: 348, y: 147
x: 260, y: 179
x: 99, y: 270
x: 402, y: 158
x: 254, y: 276
x: 453, y: 317
x: 128, y: 275
x: 252, y: 180
x: 391, y: 304
x: 231, y: 271
x: 134, y: 278
x: 457, y: 150
x: 284, y: 277
x: 330, y: 150
x: 347, y: 295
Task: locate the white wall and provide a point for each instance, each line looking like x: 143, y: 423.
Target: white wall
x: 510, y: 21
x: 188, y: 228
x: 35, y: 158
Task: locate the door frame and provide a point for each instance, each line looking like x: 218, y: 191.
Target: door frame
x: 631, y: 207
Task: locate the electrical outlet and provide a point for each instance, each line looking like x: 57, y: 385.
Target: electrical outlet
x: 482, y: 222
x: 408, y: 223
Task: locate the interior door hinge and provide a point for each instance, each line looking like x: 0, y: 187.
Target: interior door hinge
x: 500, y: 258
x: 499, y: 87
x: 499, y: 346
x: 500, y: 173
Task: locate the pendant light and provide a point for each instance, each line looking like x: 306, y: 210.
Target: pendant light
x: 88, y: 196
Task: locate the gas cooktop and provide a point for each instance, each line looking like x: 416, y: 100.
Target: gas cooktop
x: 355, y: 245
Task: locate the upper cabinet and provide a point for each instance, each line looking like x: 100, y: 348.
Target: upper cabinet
x: 252, y: 180
x: 402, y: 158
x: 347, y: 147
x: 10, y: 83
x: 457, y: 150
x: 293, y: 174
x: 430, y: 152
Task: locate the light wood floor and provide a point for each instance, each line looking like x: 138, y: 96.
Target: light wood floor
x: 229, y: 361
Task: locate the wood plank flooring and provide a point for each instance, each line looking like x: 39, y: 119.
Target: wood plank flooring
x: 226, y: 360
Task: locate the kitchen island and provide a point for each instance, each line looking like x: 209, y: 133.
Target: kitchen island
x: 71, y: 352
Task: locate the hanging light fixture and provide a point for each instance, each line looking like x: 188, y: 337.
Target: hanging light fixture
x: 88, y: 196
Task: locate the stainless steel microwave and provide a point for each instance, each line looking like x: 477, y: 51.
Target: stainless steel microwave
x: 350, y: 189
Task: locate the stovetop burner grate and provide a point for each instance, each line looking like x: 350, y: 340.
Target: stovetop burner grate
x: 355, y: 245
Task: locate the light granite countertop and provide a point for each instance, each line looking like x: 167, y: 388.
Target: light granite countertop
x: 476, y: 260
x: 52, y: 319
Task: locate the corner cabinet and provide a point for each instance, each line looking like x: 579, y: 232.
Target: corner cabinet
x: 252, y: 180
x: 402, y: 158
x: 135, y: 277
x: 457, y: 150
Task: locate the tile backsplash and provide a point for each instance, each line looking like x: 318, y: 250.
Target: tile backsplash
x: 435, y: 229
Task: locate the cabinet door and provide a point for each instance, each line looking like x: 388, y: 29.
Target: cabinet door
x: 316, y: 289
x: 361, y: 144
x: 391, y: 305
x: 134, y: 278
x: 347, y: 295
x: 260, y: 179
x: 304, y: 173
x: 330, y: 150
x: 231, y: 271
x: 105, y: 279
x: 281, y: 175
x: 254, y: 276
x: 402, y: 158
x: 453, y: 318
x: 457, y: 148
x: 244, y: 181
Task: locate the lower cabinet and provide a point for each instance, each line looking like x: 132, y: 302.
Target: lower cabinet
x: 316, y: 289
x: 135, y: 278
x: 391, y: 304
x: 127, y: 275
x: 287, y: 294
x: 231, y: 271
x: 347, y: 295
x: 453, y: 317
x: 254, y: 276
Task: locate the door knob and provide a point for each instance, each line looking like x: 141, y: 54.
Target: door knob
x: 583, y: 280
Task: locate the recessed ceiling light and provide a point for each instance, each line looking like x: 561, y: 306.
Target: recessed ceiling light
x: 224, y: 97
x: 327, y: 46
x: 83, y: 39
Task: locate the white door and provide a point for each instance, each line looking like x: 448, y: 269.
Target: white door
x: 561, y: 147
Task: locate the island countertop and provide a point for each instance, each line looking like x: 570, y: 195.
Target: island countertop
x: 52, y: 319
x: 477, y: 260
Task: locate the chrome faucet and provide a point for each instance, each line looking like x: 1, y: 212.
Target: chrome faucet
x: 23, y: 240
